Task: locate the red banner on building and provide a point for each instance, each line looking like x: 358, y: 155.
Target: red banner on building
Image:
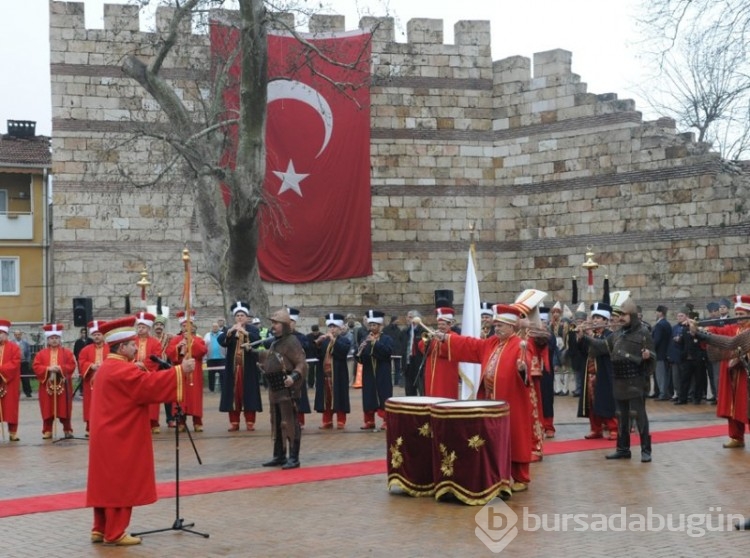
x: 317, y: 226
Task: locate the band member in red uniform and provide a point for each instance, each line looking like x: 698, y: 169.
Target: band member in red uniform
x: 505, y: 364
x: 146, y: 346
x: 10, y: 381
x: 440, y: 373
x: 176, y: 351
x: 54, y: 367
x: 733, y: 390
x: 121, y: 461
x: 89, y: 360
x: 332, y: 383
x: 542, y: 379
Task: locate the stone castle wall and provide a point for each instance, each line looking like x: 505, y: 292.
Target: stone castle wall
x: 517, y: 147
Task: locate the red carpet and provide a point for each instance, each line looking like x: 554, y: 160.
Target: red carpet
x: 678, y: 435
x: 75, y: 500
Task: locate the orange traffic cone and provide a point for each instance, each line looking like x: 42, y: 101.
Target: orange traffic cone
x: 358, y: 377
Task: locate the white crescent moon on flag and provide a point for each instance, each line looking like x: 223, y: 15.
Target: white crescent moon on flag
x: 279, y: 89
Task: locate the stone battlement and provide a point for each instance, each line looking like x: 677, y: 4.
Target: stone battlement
x: 518, y: 148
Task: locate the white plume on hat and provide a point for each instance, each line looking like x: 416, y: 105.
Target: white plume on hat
x: 528, y: 301
x: 618, y: 298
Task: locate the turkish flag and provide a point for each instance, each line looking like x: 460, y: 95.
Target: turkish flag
x: 316, y: 226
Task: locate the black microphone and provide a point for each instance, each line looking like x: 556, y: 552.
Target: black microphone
x: 163, y: 364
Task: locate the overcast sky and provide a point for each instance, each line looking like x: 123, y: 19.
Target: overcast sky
x: 601, y: 34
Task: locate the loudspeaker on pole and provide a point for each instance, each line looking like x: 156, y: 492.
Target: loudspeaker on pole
x: 82, y: 311
x: 443, y: 298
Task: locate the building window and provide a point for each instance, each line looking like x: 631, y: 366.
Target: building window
x: 9, y: 276
x: 3, y: 201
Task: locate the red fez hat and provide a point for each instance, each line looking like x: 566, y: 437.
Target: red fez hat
x: 119, y: 330
x: 742, y: 302
x: 181, y: 316
x: 5, y: 326
x: 94, y: 326
x: 506, y: 313
x: 446, y: 314
x: 53, y: 329
x: 145, y: 318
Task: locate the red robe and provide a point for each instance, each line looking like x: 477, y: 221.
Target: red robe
x: 508, y: 384
x: 121, y: 455
x: 63, y: 358
x: 148, y: 346
x: 440, y: 373
x: 10, y: 377
x: 732, y: 398
x: 193, y: 404
x: 89, y: 355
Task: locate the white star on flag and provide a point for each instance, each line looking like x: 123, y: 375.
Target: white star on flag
x: 290, y: 179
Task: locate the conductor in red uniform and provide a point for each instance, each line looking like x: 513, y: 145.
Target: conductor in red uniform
x: 54, y: 367
x: 505, y: 365
x: 120, y: 430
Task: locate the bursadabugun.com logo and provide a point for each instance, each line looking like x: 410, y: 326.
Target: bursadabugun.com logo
x: 498, y: 524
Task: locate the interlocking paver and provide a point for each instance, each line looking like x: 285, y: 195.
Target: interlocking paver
x: 359, y: 517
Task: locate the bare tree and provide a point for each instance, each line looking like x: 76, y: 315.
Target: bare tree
x: 703, y: 82
x: 230, y: 231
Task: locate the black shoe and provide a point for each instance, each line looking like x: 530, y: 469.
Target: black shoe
x: 619, y: 454
x: 28, y: 395
x: 680, y: 402
x: 291, y: 463
x: 645, y: 457
x: 275, y: 462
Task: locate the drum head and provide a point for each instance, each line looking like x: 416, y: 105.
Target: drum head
x: 471, y: 404
x: 417, y: 400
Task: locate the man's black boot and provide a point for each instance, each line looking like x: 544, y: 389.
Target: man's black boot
x: 293, y: 461
x: 619, y: 454
x: 279, y: 456
x: 646, y: 449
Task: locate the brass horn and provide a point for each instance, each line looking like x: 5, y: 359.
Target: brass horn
x: 429, y: 333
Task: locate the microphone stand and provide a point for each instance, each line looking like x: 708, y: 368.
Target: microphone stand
x: 179, y: 523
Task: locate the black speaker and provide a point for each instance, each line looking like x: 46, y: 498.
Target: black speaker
x: 443, y: 298
x: 82, y: 311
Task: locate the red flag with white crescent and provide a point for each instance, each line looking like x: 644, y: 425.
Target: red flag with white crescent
x: 317, y: 225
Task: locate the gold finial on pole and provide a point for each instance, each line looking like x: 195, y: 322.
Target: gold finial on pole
x: 590, y: 265
x: 143, y: 283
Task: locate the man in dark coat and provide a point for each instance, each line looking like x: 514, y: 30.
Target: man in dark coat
x: 374, y: 353
x: 332, y: 385
x: 240, y: 384
x: 412, y: 358
x: 661, y: 333
x: 597, y: 401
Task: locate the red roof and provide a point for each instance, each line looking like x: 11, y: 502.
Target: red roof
x: 34, y: 151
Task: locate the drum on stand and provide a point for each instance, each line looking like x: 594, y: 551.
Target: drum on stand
x: 471, y: 450
x: 409, y: 439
